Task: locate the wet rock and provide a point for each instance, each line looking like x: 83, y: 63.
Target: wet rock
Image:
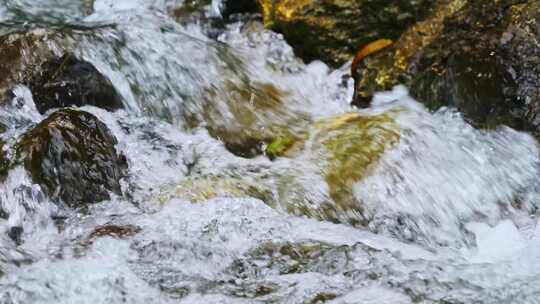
x: 21, y: 53
x: 386, y: 68
x: 252, y: 116
x: 199, y: 12
x: 346, y: 147
x: 3, y: 128
x: 343, y: 150
x: 279, y: 147
x: 189, y: 9
x: 197, y: 190
x: 34, y: 58
x: 212, y: 18
x: 4, y: 162
x: 69, y: 81
x: 115, y: 231
x: 481, y: 57
x: 15, y: 233
x: 233, y: 7
x: 332, y: 31
x: 72, y: 156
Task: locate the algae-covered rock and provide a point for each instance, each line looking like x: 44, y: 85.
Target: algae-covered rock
x: 353, y: 144
x: 251, y: 116
x: 72, y: 156
x: 204, y: 188
x: 350, y: 145
x: 333, y: 30
x: 68, y: 81
x: 481, y: 57
x: 316, y: 180
x: 279, y: 146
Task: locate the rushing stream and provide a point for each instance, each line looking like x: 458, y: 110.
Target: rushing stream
x: 445, y: 214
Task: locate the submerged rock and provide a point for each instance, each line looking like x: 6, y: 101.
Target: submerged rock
x: 481, y: 57
x: 332, y: 31
x: 72, y: 156
x: 252, y: 115
x: 69, y: 81
x: 342, y: 149
x: 345, y: 148
x: 201, y: 189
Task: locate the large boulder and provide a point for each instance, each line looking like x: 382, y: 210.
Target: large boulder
x: 72, y: 156
x: 481, y: 57
x: 332, y: 30
x: 69, y: 81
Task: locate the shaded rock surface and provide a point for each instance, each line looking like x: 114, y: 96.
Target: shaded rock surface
x: 68, y: 81
x: 481, y: 57
x: 22, y: 53
x: 332, y: 31
x: 72, y: 155
x: 42, y: 60
x: 232, y: 7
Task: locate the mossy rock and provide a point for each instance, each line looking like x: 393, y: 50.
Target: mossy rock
x: 342, y: 149
x: 279, y: 146
x: 354, y: 143
x: 249, y: 116
x: 204, y: 188
x: 345, y: 149
x: 72, y: 156
x: 480, y: 57
x: 332, y: 31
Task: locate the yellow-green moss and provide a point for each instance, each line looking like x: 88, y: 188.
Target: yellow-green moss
x: 244, y: 116
x: 342, y: 149
x: 198, y: 190
x: 352, y: 144
x: 279, y: 146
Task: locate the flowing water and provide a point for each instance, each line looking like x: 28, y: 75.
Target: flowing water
x: 391, y: 204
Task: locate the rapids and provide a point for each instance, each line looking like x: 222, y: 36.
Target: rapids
x: 446, y: 214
